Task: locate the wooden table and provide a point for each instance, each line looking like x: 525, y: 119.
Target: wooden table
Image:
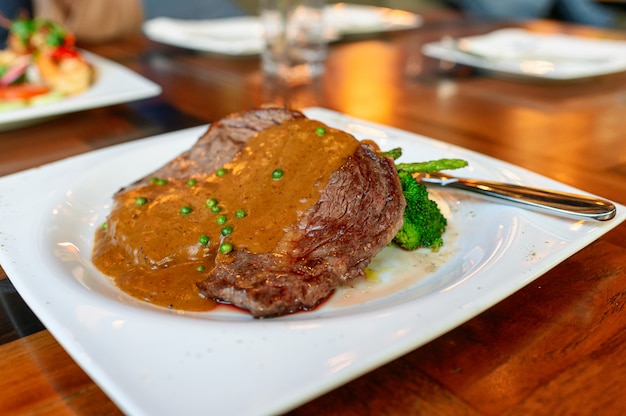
x: 558, y: 346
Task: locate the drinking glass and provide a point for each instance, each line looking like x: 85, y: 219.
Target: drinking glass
x: 295, y: 41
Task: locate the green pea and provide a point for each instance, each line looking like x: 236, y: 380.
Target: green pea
x: 186, y: 210
x: 211, y: 202
x: 320, y: 131
x: 141, y: 201
x: 226, y: 231
x: 221, y: 172
x: 240, y: 213
x: 221, y: 220
x: 161, y: 182
x: 192, y: 182
x: 277, y: 174
x: 104, y: 225
x: 216, y: 209
x: 204, y: 239
x: 200, y: 268
x: 226, y: 247
x: 154, y: 179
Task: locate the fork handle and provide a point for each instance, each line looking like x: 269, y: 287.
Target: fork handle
x: 548, y: 201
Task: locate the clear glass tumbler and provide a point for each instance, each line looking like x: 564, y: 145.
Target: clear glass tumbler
x: 296, y: 44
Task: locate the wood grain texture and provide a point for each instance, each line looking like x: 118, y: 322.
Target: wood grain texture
x: 38, y: 377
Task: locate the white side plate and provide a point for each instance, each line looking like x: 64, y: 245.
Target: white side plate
x: 535, y: 55
x: 244, y: 35
x: 115, y: 84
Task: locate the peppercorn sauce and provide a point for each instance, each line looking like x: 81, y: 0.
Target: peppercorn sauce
x: 154, y: 252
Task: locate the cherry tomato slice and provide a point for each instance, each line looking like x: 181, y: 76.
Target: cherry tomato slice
x: 63, y: 52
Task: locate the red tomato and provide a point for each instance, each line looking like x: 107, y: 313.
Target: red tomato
x: 22, y: 91
x: 69, y: 40
x: 63, y: 52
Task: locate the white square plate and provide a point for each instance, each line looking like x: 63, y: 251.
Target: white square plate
x: 535, y: 55
x: 152, y: 361
x: 114, y: 84
x: 244, y: 35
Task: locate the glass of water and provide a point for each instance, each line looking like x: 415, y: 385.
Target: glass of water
x: 295, y: 41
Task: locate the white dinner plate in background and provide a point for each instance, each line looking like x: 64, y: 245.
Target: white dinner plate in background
x: 244, y: 35
x: 535, y: 55
x: 114, y: 84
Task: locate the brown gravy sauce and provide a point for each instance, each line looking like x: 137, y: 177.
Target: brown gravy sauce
x: 152, y: 250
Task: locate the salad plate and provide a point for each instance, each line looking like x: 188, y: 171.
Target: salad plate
x: 243, y: 35
x: 155, y: 361
x: 114, y: 84
x: 533, y: 55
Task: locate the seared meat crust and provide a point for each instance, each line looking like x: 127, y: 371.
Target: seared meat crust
x: 358, y: 214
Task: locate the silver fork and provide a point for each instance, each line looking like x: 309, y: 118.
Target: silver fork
x: 544, y: 200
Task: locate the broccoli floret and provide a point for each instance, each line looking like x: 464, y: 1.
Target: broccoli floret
x: 424, y: 223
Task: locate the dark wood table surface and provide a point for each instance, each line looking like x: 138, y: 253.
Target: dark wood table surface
x: 556, y: 347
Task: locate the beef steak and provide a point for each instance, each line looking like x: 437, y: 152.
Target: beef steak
x: 351, y: 215
x: 221, y: 142
x: 358, y: 214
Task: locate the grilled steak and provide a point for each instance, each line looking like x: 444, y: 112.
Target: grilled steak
x: 358, y: 214
x: 221, y: 142
x: 339, y: 204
